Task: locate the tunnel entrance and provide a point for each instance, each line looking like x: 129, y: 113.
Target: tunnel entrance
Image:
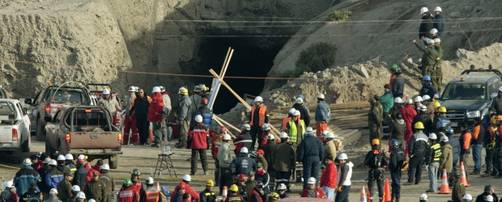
x: 253, y: 57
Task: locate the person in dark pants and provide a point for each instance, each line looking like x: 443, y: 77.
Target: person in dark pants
x: 478, y: 133
x: 375, y: 161
x: 199, y: 144
x: 140, y: 111
x: 258, y: 117
x: 438, y: 20
x: 419, y: 147
x: 490, y: 142
x: 395, y: 164
x: 310, y: 152
x: 304, y: 111
x: 426, y: 24
x: 344, y: 180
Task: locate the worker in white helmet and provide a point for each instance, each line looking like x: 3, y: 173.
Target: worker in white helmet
x: 107, y: 180
x: 198, y: 138
x: 295, y: 128
x: 243, y: 164
x: 322, y: 114
x: 344, y: 171
x: 185, y: 187
x: 258, y: 117
x: 130, y: 128
x: 225, y: 157
x: 155, y: 115
x: 437, y: 74
x: 283, y: 160
x: 166, y: 111
x: 438, y: 20
x: 426, y: 24
x: 110, y: 104
x: 304, y: 111
x: 429, y: 58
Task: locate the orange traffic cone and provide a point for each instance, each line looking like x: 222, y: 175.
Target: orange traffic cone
x: 463, y: 178
x: 387, y: 196
x: 444, y: 188
x: 364, y: 197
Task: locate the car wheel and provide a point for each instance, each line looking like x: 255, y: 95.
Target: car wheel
x: 113, y: 161
x: 25, y: 146
x: 40, y: 130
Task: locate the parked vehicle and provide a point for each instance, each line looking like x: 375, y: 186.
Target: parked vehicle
x: 14, y: 126
x: 3, y: 94
x: 470, y: 95
x: 84, y: 130
x: 50, y: 100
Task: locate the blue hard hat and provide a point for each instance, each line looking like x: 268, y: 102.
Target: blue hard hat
x: 427, y: 78
x: 395, y: 143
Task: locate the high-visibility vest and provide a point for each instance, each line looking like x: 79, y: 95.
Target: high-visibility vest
x: 126, y: 195
x: 153, y: 193
x: 262, y: 112
x: 436, y: 149
x: 293, y: 131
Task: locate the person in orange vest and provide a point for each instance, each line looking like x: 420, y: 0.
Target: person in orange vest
x: 478, y: 136
x: 322, y: 114
x: 137, y: 187
x: 465, y: 142
x: 258, y: 193
x: 126, y: 193
x: 185, y: 186
x: 152, y: 192
x: 312, y: 191
x: 258, y: 117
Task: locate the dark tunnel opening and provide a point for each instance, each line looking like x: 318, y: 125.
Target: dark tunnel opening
x: 253, y: 57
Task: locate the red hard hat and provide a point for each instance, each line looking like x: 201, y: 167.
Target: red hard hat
x: 204, y: 101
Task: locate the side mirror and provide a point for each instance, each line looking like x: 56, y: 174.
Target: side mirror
x: 28, y: 101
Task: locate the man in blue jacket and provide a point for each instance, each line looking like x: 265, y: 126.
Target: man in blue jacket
x: 54, y: 176
x: 322, y: 115
x: 25, y: 178
x: 310, y: 153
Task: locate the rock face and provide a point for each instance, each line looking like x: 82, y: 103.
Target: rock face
x: 385, y: 29
x: 47, y: 42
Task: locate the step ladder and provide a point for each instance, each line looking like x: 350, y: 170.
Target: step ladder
x: 165, y: 162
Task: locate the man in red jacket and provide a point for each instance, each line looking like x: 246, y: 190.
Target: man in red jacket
x: 312, y: 191
x: 155, y: 112
x: 409, y: 113
x: 198, y: 142
x: 185, y: 186
x: 257, y: 194
x: 328, y: 179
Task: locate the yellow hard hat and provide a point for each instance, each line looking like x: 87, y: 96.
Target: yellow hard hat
x: 183, y: 91
x: 210, y: 183
x: 442, y: 109
x: 375, y: 141
x: 419, y: 125
x: 234, y: 188
x: 274, y: 196
x: 437, y: 104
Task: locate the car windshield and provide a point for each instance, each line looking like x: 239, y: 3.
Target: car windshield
x: 6, y: 109
x: 74, y: 96
x: 465, y: 91
x: 89, y: 120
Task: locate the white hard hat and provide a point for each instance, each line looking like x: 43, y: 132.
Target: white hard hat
x: 423, y: 10
x: 266, y: 127
x: 437, y: 41
x: 246, y: 126
x: 321, y: 96
x: 311, y: 180
x: 244, y: 150
x: 81, y: 195
x: 68, y: 157
x: 91, y: 200
x: 398, y: 100
x: 149, y: 180
x: 299, y: 100
x: 436, y: 95
x: 53, y: 191
x: 156, y: 89
x: 75, y: 188
x: 47, y: 159
x: 433, y: 136
x: 444, y: 138
x: 297, y: 113
x: 282, y: 186
x: 309, y: 130
x: 343, y: 156
x: 132, y: 89
x: 105, y: 167
x: 292, y: 111
x: 423, y: 196
x: 489, y: 198
x: 53, y: 162
x: 438, y: 9
x: 198, y: 118
x: 410, y: 101
x: 429, y: 41
x: 226, y: 136
x: 418, y: 98
x: 284, y: 135
x: 106, y: 92
x: 422, y: 108
x: 467, y: 197
x: 8, y: 184
x: 433, y: 31
x: 81, y: 157
x: 187, y: 178
x: 27, y: 162
x: 162, y: 89
x: 61, y: 158
x: 271, y: 137
x: 258, y: 99
x: 426, y: 97
x: 328, y: 135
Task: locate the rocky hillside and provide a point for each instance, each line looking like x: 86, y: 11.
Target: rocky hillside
x: 385, y: 29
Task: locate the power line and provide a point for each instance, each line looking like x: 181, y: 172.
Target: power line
x: 209, y: 76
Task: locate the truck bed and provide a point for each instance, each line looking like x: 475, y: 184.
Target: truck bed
x: 95, y: 140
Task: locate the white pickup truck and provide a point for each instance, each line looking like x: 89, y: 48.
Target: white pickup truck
x: 14, y: 127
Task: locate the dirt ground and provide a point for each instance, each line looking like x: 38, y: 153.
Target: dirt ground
x: 351, y: 127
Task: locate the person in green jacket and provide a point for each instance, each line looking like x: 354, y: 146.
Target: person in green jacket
x: 375, y: 118
x: 387, y: 102
x: 429, y: 58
